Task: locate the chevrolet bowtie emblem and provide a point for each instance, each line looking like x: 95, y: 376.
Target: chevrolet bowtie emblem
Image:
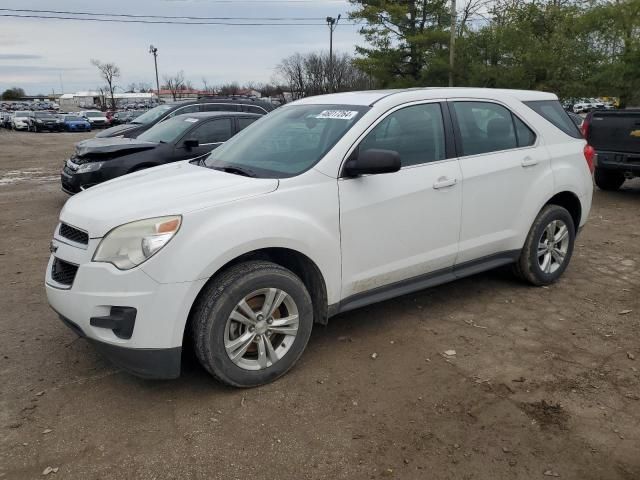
x: 52, y: 247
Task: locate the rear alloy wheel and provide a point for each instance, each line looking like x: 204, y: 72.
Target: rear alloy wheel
x: 608, y: 179
x: 548, y: 247
x: 252, y: 323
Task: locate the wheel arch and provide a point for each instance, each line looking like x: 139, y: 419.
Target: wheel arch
x: 571, y: 202
x: 299, y: 263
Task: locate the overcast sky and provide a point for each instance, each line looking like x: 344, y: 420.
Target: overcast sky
x: 39, y: 55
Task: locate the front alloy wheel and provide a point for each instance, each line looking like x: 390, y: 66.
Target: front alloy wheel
x: 251, y: 323
x: 261, y: 329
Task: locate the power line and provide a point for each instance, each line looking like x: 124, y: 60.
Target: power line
x: 166, y: 17
x: 162, y: 22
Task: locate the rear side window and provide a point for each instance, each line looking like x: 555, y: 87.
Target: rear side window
x: 526, y: 137
x: 254, y: 109
x: 553, y: 112
x: 484, y: 127
x: 415, y: 132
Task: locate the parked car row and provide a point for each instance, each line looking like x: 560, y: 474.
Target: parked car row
x: 586, y: 105
x: 30, y: 121
x: 33, y: 106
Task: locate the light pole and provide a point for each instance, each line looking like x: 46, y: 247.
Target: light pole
x: 154, y: 51
x: 452, y: 42
x: 333, y: 23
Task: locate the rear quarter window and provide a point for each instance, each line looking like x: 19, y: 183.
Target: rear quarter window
x: 552, y: 111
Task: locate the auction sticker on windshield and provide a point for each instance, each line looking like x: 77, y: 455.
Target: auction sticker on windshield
x: 340, y: 114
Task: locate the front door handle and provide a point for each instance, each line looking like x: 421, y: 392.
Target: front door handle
x: 529, y: 162
x: 444, y: 182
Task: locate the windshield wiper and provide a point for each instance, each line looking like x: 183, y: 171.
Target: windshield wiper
x: 236, y: 171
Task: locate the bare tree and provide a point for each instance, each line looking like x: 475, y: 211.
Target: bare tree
x: 309, y: 74
x: 144, y: 87
x: 102, y: 96
x: 109, y: 72
x: 174, y: 83
x: 230, y: 88
x: 210, y: 89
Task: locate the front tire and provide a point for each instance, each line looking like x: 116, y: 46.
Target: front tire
x: 608, y: 179
x: 251, y: 324
x: 548, y: 247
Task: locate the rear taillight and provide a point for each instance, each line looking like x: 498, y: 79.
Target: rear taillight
x: 589, y: 155
x: 584, y: 128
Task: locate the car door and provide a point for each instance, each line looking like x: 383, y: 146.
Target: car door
x: 400, y: 226
x: 505, y: 172
x: 209, y: 133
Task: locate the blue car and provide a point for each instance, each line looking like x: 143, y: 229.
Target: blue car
x: 74, y: 123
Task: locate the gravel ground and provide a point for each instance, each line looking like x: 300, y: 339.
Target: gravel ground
x: 544, y: 382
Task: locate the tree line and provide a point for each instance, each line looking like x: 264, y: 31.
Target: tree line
x: 573, y: 48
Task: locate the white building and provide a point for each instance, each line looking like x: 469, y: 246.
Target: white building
x: 71, y: 101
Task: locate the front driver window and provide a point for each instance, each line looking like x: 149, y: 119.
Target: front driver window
x: 416, y: 133
x: 214, y: 131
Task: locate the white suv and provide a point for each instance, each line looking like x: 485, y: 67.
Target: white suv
x: 325, y: 205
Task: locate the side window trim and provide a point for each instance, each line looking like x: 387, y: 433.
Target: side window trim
x: 449, y: 151
x: 458, y: 133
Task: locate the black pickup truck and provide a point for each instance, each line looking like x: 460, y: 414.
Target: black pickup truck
x: 615, y: 135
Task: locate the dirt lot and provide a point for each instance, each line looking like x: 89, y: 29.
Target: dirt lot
x: 544, y: 382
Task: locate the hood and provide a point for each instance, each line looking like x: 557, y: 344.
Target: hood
x: 98, y: 146
x: 176, y: 188
x: 118, y: 130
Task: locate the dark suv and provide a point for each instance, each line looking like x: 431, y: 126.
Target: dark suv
x: 169, y: 110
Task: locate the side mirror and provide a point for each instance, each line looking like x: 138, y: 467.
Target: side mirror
x: 190, y: 143
x: 372, y: 162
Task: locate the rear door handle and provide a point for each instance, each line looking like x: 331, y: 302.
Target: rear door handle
x: 529, y: 162
x: 444, y: 182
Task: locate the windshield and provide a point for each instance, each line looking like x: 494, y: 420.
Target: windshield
x: 286, y: 142
x: 153, y: 114
x: 43, y: 115
x: 22, y: 114
x: 93, y: 114
x: 71, y: 118
x: 169, y: 130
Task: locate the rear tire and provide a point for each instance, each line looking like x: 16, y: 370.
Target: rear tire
x: 608, y: 179
x: 548, y: 247
x: 235, y: 307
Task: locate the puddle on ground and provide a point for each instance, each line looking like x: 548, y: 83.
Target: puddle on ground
x: 28, y: 175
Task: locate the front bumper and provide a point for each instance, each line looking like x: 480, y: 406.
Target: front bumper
x: 156, y: 363
x: 73, y: 182
x: 87, y: 303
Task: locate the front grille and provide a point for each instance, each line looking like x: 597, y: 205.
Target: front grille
x: 74, y: 234
x: 63, y: 272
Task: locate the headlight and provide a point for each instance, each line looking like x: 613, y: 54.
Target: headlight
x: 131, y: 244
x: 89, y: 167
x: 38, y: 121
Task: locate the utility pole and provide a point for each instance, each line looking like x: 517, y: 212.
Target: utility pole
x: 154, y: 51
x: 452, y: 42
x: 333, y: 23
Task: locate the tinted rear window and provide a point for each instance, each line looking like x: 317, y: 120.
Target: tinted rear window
x: 553, y: 112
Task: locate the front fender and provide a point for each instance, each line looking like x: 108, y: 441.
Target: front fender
x: 210, y: 238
